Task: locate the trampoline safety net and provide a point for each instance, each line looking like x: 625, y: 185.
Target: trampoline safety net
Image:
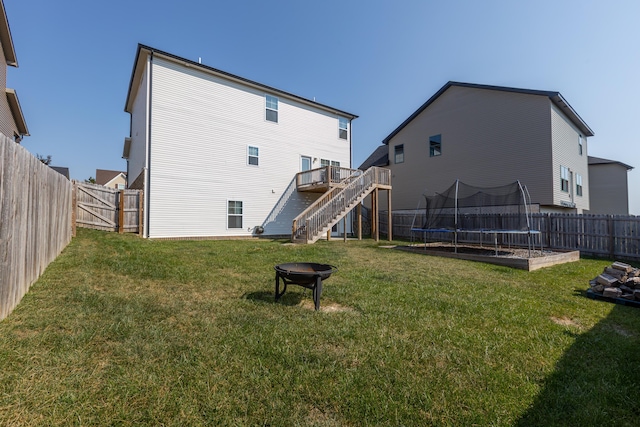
x: 463, y: 207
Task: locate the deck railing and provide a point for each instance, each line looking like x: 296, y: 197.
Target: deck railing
x: 324, y: 175
x: 336, y: 203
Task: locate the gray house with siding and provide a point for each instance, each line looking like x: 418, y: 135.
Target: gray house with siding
x: 489, y: 136
x: 608, y: 187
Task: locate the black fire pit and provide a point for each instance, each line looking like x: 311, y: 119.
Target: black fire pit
x: 306, y: 274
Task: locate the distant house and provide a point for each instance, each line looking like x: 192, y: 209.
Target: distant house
x: 608, y: 188
x: 490, y: 136
x: 218, y: 155
x: 111, y: 179
x: 61, y: 170
x: 12, y: 122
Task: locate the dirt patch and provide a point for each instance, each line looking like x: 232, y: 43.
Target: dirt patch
x: 327, y: 307
x: 503, y: 252
x: 565, y: 321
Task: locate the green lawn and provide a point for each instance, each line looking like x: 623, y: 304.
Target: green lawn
x: 125, y: 331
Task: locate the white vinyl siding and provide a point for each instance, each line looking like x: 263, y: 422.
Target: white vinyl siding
x: 191, y: 182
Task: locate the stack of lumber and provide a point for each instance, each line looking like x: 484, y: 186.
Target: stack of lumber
x: 619, y: 280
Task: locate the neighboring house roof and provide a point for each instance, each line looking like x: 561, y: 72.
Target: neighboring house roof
x: 600, y: 161
x: 555, y: 97
x: 61, y: 170
x: 379, y: 157
x: 6, y: 39
x: 104, y: 176
x: 145, y: 51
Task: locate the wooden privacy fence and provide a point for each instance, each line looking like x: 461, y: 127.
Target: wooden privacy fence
x: 610, y: 236
x: 35, y: 220
x: 107, y: 209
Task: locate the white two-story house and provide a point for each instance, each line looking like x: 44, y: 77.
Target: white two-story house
x: 217, y: 154
x: 489, y: 136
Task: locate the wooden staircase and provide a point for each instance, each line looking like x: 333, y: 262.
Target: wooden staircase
x: 315, y: 221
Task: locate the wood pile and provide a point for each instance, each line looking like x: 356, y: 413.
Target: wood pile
x: 619, y: 280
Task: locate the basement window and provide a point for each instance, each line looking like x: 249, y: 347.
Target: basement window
x: 234, y: 214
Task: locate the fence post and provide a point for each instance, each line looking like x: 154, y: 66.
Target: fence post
x: 74, y: 208
x: 140, y: 213
x: 121, y: 212
x: 612, y: 239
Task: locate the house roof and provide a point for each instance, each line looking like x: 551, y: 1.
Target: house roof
x: 379, y: 157
x: 6, y: 39
x: 555, y: 97
x: 61, y: 170
x: 16, y: 111
x: 103, y: 176
x: 600, y: 161
x: 145, y: 51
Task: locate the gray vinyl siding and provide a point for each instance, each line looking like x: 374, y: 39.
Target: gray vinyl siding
x: 608, y: 189
x: 566, y: 153
x: 139, y: 131
x: 201, y: 127
x: 489, y: 138
x: 7, y: 122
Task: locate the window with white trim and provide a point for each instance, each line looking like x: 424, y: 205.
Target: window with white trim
x: 564, y: 179
x: 578, y: 185
x: 271, y: 106
x: 398, y: 153
x: 580, y: 147
x: 343, y: 128
x: 234, y: 214
x: 253, y: 155
x: 435, y: 145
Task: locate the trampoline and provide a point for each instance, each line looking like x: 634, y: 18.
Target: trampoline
x: 466, y: 209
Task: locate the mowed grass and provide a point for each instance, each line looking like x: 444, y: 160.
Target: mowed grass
x: 129, y: 332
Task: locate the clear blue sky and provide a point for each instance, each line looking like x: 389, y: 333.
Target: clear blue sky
x: 378, y: 59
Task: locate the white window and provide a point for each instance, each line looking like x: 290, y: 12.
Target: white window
x: 271, y: 105
x: 398, y: 152
x: 252, y: 156
x: 120, y: 186
x: 564, y: 179
x: 578, y: 185
x: 234, y: 214
x: 343, y: 127
x: 580, y: 147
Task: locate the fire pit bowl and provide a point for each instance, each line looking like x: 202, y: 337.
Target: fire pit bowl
x: 309, y: 275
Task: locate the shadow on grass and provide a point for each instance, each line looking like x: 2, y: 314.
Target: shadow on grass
x: 289, y: 298
x: 594, y: 382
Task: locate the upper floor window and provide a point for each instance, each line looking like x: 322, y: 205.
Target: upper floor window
x: 252, y: 155
x: 271, y: 104
x: 435, y: 145
x: 579, y: 185
x: 580, y: 147
x: 234, y: 214
x: 398, y: 152
x: 343, y: 126
x: 564, y: 179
